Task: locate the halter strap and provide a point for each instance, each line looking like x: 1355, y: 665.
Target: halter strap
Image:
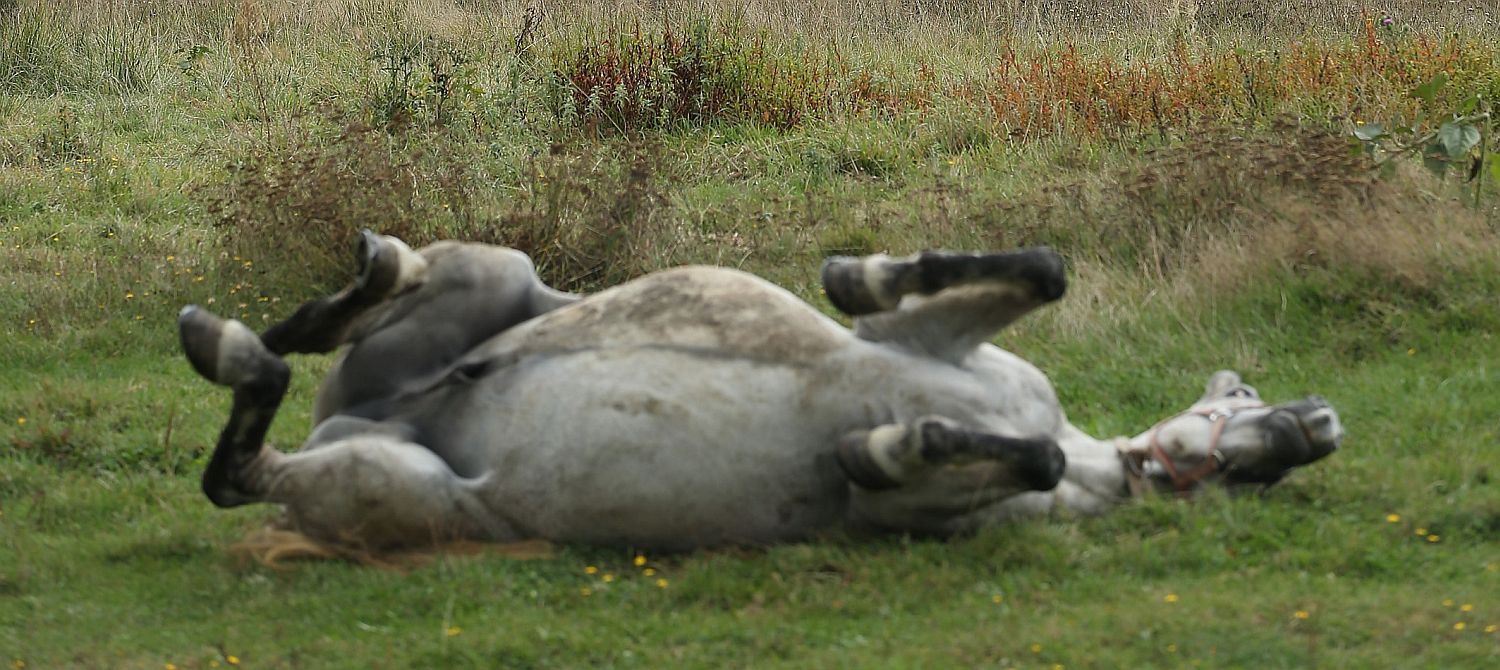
x: 1135, y: 461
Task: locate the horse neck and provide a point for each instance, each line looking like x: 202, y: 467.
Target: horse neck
x: 1096, y: 476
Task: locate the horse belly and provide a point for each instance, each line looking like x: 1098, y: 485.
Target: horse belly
x: 665, y: 448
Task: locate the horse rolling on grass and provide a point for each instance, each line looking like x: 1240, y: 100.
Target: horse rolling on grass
x: 694, y: 407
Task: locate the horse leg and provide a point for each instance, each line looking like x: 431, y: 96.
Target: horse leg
x: 408, y: 315
x: 924, y: 475
x: 942, y: 303
x: 387, y: 267
x: 229, y: 354
x: 356, y: 482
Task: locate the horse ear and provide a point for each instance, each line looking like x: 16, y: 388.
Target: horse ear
x: 1219, y: 383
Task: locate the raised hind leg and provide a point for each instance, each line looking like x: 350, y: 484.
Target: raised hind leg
x: 230, y: 354
x: 942, y: 303
x: 410, y: 314
x: 925, y: 475
x: 356, y: 482
x: 387, y: 268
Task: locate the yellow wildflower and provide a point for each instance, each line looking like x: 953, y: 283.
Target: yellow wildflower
x: 1466, y: 607
x: 1434, y: 537
x: 1392, y: 518
x: 1303, y: 615
x: 585, y: 592
x: 1421, y: 531
x: 1171, y: 649
x: 997, y: 599
x: 1460, y: 626
x: 170, y: 666
x: 1036, y: 649
x: 608, y: 578
x: 20, y: 421
x: 1170, y: 598
x: 661, y: 583
x: 639, y: 561
x: 130, y: 295
x: 1491, y: 628
x: 649, y: 572
x: 454, y: 631
x: 590, y: 570
x: 1447, y: 602
x: 232, y: 659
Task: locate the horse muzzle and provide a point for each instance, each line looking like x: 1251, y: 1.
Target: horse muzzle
x: 1303, y: 431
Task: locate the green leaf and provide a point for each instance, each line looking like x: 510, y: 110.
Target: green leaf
x: 1458, y: 138
x: 1429, y: 90
x: 1468, y: 105
x: 1494, y: 161
x: 1436, y: 164
x: 1369, y: 131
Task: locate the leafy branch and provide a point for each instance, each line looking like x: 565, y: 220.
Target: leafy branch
x: 1464, y: 140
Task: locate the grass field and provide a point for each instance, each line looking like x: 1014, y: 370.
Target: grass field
x: 1307, y: 191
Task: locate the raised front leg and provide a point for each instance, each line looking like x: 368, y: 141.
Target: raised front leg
x: 922, y: 476
x: 942, y: 303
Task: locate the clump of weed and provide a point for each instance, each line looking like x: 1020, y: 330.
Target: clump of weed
x: 1195, y: 220
x: 591, y: 218
x: 706, y: 72
x: 1153, y: 213
x: 47, y: 48
x: 298, y: 209
x: 64, y: 140
x: 422, y: 81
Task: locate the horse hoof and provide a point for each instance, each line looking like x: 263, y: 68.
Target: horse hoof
x: 846, y: 280
x: 200, y: 333
x: 1045, y: 270
x: 225, y: 352
x: 859, y: 465
x: 387, y: 266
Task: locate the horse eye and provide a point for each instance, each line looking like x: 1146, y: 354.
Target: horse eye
x: 1240, y: 393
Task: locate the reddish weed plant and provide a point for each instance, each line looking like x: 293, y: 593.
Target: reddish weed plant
x: 1097, y: 95
x: 635, y: 80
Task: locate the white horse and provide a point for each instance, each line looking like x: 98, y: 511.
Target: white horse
x: 694, y: 407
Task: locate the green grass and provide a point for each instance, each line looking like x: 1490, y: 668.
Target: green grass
x: 131, y: 185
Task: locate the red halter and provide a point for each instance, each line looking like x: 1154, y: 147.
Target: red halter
x: 1182, y: 481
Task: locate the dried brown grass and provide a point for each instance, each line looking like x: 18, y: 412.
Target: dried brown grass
x: 1189, y: 225
x: 283, y: 549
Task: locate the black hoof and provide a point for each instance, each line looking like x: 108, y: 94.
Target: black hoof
x: 1043, y: 268
x: 368, y: 258
x: 1040, y: 464
x: 855, y: 460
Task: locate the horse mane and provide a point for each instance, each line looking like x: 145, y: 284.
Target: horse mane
x: 281, y: 548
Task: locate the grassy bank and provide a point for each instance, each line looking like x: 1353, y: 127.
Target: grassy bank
x: 1199, y: 169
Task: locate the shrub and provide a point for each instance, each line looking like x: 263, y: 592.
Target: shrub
x: 301, y: 207
x: 704, y: 73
